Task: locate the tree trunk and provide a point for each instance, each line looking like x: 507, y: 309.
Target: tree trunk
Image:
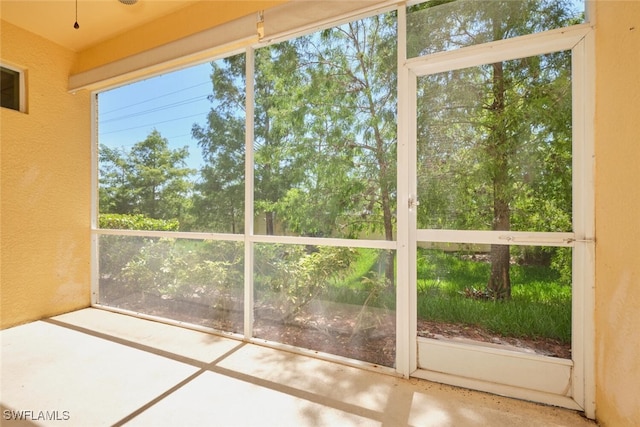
x: 269, y: 225
x: 388, y: 232
x: 499, y: 284
x: 233, y: 220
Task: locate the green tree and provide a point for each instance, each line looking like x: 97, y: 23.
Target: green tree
x: 325, y: 133
x: 277, y: 166
x: 499, y: 135
x: 279, y: 124
x: 219, y: 195
x: 151, y: 179
x: 116, y: 196
x: 357, y: 70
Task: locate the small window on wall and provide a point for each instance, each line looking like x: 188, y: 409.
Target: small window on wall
x: 12, y: 95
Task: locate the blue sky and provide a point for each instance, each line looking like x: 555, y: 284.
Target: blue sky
x: 170, y: 103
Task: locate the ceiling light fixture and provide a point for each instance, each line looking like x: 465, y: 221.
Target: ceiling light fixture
x: 76, y: 25
x: 127, y: 2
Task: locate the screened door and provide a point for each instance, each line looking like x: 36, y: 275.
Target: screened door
x: 499, y: 248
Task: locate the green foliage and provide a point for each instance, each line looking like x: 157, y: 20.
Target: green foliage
x: 432, y: 29
x: 325, y: 124
x: 494, y: 141
x: 150, y: 180
x: 290, y: 277
x: 494, y: 152
x: 218, y: 201
x: 364, y: 283
x: 363, y: 265
x: 174, y: 268
x: 561, y: 263
x: 540, y: 304
x: 116, y: 252
x: 136, y: 222
x: 293, y: 276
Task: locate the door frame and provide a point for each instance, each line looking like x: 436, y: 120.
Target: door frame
x: 561, y: 382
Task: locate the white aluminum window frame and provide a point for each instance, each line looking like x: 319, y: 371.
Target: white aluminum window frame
x: 22, y: 86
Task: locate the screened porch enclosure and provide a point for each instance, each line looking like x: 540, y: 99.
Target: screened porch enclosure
x: 326, y: 299
x: 307, y: 259
x: 397, y: 190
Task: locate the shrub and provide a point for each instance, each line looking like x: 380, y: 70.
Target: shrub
x: 295, y: 275
x: 136, y: 222
x: 118, y: 253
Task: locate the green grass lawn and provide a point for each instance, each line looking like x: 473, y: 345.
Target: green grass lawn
x: 540, y: 305
x: 356, y: 286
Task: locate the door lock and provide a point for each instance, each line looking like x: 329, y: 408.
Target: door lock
x: 413, y: 203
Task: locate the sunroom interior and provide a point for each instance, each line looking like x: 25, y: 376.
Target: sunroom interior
x: 370, y: 210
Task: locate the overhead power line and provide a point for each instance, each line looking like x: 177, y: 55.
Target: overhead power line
x: 154, y: 98
x: 156, y: 109
x: 151, y: 124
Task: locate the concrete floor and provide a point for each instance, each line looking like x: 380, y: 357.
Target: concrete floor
x: 93, y: 368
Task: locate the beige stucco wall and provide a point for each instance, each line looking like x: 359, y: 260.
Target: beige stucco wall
x: 618, y: 213
x: 45, y: 186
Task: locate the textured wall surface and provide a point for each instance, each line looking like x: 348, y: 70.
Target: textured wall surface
x: 617, y: 213
x: 45, y: 186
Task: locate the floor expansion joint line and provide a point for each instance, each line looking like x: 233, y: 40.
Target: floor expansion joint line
x: 158, y: 399
x: 158, y: 352
x: 300, y: 393
x: 214, y: 368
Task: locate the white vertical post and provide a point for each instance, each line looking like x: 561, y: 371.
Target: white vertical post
x: 589, y: 298
x: 583, y: 260
x: 411, y: 167
x: 405, y: 318
x: 95, y: 256
x: 588, y: 199
x: 248, y: 195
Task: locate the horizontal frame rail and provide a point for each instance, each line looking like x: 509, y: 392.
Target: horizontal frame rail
x: 289, y: 240
x: 522, y: 238
x: 500, y: 50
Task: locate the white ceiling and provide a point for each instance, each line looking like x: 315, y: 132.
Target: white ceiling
x: 99, y: 20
